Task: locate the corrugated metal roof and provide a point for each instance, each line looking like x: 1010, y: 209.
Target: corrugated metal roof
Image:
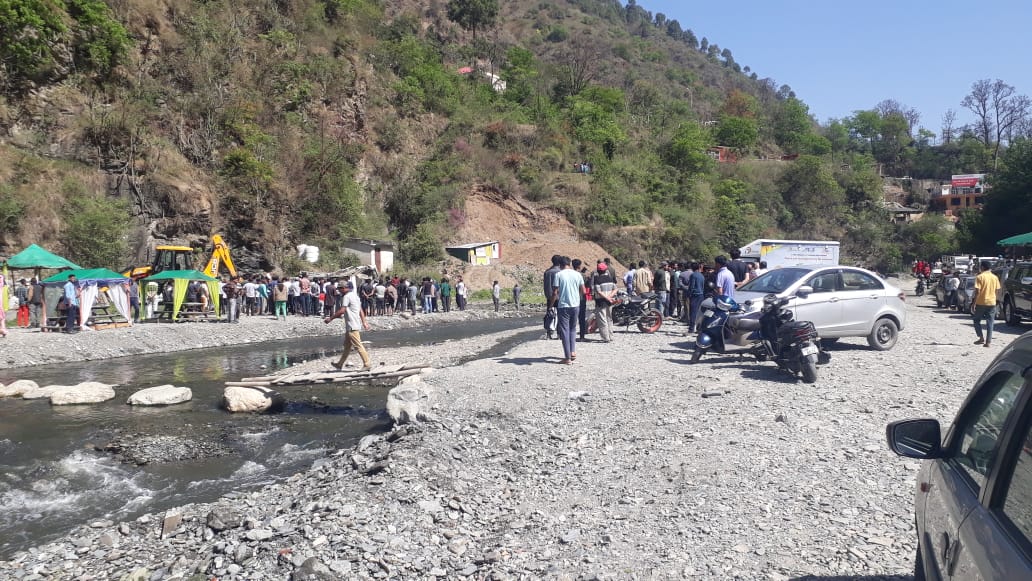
x: 471, y: 245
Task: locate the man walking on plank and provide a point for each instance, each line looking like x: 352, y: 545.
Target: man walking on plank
x: 354, y: 319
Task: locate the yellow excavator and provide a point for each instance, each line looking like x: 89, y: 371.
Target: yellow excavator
x: 182, y: 258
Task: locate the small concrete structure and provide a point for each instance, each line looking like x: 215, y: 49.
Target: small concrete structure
x: 378, y: 253
x: 479, y: 253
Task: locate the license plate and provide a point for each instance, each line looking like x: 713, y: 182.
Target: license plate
x: 707, y: 313
x: 809, y: 350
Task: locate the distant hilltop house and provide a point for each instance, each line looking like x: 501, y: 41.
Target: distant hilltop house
x: 722, y: 154
x: 963, y: 191
x: 478, y: 253
x: 902, y: 214
x: 378, y: 253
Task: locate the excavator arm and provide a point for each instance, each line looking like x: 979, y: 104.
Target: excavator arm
x: 219, y: 258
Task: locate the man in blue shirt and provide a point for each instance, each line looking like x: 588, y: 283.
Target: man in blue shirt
x: 566, y: 296
x: 725, y: 278
x: 71, y: 296
x: 695, y: 289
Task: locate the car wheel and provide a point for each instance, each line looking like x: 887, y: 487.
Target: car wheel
x: 1008, y: 314
x: 883, y: 336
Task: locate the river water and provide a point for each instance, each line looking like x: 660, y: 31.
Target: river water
x: 52, y: 478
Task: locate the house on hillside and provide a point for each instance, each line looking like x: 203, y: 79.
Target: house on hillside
x: 478, y: 253
x: 902, y: 214
x: 722, y: 154
x: 378, y: 253
x: 963, y: 191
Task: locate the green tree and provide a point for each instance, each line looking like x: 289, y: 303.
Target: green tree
x: 930, y: 236
x: 597, y: 125
x: 96, y: 231
x: 32, y: 37
x: 815, y: 201
x: 792, y: 124
x: 737, y: 132
x: 1008, y: 207
x: 687, y: 150
x: 473, y: 14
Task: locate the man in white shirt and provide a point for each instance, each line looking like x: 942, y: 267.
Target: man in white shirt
x: 354, y: 319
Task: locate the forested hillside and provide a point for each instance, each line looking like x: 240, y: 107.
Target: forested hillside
x: 130, y: 122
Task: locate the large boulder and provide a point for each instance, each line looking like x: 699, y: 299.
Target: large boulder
x: 42, y: 392
x: 252, y: 399
x: 161, y: 395
x: 85, y: 392
x: 18, y: 388
x: 410, y: 400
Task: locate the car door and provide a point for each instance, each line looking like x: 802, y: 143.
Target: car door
x: 821, y: 307
x: 956, y: 483
x: 862, y: 297
x: 995, y: 540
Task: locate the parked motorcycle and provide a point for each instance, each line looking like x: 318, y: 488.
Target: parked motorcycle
x: 775, y: 336
x: 921, y: 285
x: 641, y: 310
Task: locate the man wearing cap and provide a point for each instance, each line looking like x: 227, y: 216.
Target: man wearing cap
x: 354, y: 319
x: 725, y: 278
x: 603, y: 286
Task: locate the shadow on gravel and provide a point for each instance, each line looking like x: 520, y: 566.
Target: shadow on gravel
x: 840, y: 346
x: 854, y: 578
x: 527, y: 360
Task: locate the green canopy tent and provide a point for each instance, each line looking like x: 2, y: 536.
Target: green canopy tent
x: 1019, y: 240
x: 33, y: 257
x: 180, y: 280
x: 38, y: 258
x: 90, y: 281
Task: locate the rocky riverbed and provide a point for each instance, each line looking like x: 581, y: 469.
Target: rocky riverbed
x: 24, y: 347
x: 631, y: 463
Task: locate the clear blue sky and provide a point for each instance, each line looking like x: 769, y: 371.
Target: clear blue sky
x: 841, y: 56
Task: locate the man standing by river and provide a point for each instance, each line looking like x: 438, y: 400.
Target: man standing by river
x: 566, y: 296
x: 71, y: 295
x: 354, y: 319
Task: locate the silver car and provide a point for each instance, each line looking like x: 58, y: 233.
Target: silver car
x: 973, y: 508
x: 845, y: 301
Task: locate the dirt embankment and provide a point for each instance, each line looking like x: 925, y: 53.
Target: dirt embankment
x: 528, y: 237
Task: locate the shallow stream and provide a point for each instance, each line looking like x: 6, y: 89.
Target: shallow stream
x: 52, y: 478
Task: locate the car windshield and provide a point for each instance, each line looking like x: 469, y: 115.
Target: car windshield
x: 775, y: 280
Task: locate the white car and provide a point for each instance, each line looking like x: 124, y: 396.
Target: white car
x: 844, y: 301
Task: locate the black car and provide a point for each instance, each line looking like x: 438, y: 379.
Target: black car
x: 1017, y: 294
x: 973, y: 509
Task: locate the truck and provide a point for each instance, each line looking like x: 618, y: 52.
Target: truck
x: 792, y: 252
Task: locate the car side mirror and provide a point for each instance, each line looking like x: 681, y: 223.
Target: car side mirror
x: 804, y: 291
x: 921, y: 439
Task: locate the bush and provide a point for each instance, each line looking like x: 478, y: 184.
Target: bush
x: 101, y: 41
x: 96, y: 231
x: 31, y: 38
x: 11, y: 209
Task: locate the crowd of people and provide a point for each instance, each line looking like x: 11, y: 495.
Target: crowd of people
x: 322, y: 296
x: 679, y: 285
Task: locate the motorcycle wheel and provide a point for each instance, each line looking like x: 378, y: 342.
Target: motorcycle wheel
x: 696, y: 355
x: 808, y: 365
x: 651, y: 322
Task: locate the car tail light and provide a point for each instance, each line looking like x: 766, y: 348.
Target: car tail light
x: 902, y: 296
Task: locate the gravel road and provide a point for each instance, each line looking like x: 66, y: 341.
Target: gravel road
x: 630, y: 464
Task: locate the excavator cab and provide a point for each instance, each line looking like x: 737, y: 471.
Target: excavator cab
x: 165, y: 258
x: 173, y: 258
